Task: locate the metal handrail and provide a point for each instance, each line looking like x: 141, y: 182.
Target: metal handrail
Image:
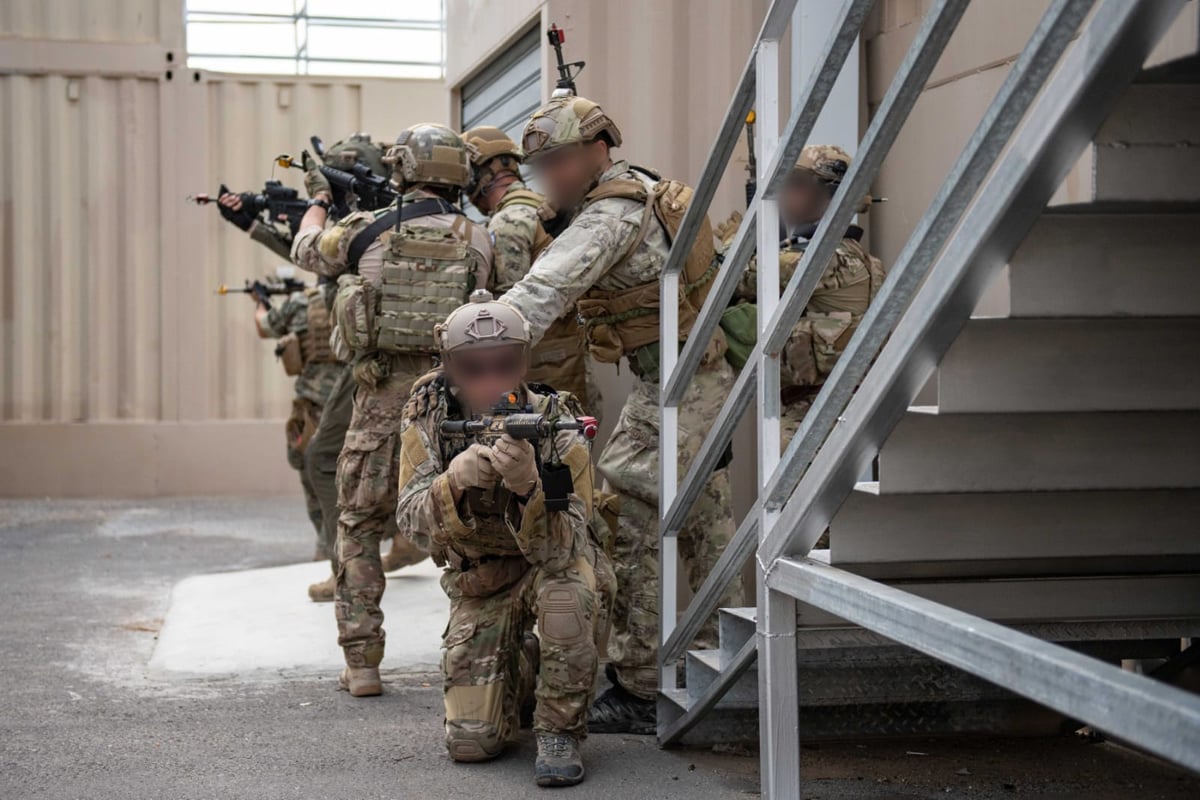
x: 1026, y: 78
x: 1072, y: 105
x: 1071, y: 108
x: 792, y: 139
x: 1020, y: 185
x: 914, y: 71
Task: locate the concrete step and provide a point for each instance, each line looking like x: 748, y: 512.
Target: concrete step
x: 1147, y: 150
x: 1103, y: 265
x: 1023, y: 365
x: 1010, y: 534
x: 932, y: 453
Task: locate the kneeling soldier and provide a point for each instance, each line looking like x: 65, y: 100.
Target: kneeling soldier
x: 504, y: 501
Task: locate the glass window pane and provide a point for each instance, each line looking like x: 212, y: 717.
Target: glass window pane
x: 242, y: 38
x: 252, y: 66
x: 377, y: 44
x: 371, y: 70
x: 244, y: 6
x: 428, y: 10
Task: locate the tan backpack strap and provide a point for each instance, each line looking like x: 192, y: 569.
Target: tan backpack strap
x: 624, y: 188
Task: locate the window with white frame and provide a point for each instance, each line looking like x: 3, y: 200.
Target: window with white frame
x: 381, y: 38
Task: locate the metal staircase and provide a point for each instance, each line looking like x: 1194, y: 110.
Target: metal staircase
x: 1037, y: 524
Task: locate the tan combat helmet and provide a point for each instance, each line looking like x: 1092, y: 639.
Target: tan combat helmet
x: 481, y: 323
x: 827, y: 161
x: 492, y: 154
x: 428, y: 153
x: 356, y: 147
x: 564, y: 120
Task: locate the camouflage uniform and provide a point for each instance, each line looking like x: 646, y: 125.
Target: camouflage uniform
x: 370, y: 460
x: 849, y: 283
x: 560, y: 359
x: 275, y: 236
x: 313, y: 386
x: 506, y: 570
x: 593, y: 252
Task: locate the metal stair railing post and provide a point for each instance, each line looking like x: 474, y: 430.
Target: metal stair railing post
x: 1083, y: 91
x: 775, y: 624
x: 1026, y: 78
x: 678, y: 369
x: 773, y: 28
x: 936, y: 28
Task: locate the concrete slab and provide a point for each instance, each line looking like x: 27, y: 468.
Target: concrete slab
x: 260, y: 621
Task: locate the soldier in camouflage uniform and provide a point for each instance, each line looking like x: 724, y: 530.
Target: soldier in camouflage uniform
x: 609, y: 263
x: 482, y: 510
x: 326, y: 445
x: 520, y: 222
x: 273, y: 235
x: 851, y: 280
x: 307, y: 338
x: 393, y: 266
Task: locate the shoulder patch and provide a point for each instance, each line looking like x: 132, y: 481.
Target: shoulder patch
x: 331, y: 241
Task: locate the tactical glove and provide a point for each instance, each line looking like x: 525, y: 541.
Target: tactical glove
x: 243, y: 217
x: 315, y: 183
x: 472, y: 468
x: 516, y: 463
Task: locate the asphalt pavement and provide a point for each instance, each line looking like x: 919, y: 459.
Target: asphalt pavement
x: 86, y: 585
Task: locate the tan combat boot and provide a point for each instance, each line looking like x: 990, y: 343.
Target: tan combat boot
x: 323, y: 592
x: 360, y: 681
x: 403, y: 554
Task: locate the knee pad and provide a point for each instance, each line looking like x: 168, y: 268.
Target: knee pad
x: 561, y: 618
x: 469, y: 740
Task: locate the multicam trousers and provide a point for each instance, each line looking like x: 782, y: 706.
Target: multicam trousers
x: 367, y: 472
x: 321, y: 457
x: 483, y: 658
x: 630, y: 466
x: 299, y: 433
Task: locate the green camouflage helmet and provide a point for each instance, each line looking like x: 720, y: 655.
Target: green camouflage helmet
x: 481, y: 323
x: 827, y: 161
x: 357, y: 147
x: 428, y: 153
x: 567, y: 119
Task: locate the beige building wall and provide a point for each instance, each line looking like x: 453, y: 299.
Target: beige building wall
x: 121, y: 371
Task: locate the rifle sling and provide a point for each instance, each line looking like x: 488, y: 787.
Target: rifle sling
x: 421, y: 208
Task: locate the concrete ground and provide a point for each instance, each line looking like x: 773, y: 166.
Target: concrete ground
x: 91, y: 710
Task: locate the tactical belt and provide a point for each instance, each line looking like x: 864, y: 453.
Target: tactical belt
x: 421, y: 208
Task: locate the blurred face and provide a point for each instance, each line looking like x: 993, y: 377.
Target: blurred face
x: 803, y: 200
x: 566, y: 173
x: 483, y: 375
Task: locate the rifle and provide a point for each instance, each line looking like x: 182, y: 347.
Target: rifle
x: 751, y: 160
x: 519, y: 421
x: 567, y: 72
x: 369, y: 191
x: 263, y: 291
x: 281, y: 203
